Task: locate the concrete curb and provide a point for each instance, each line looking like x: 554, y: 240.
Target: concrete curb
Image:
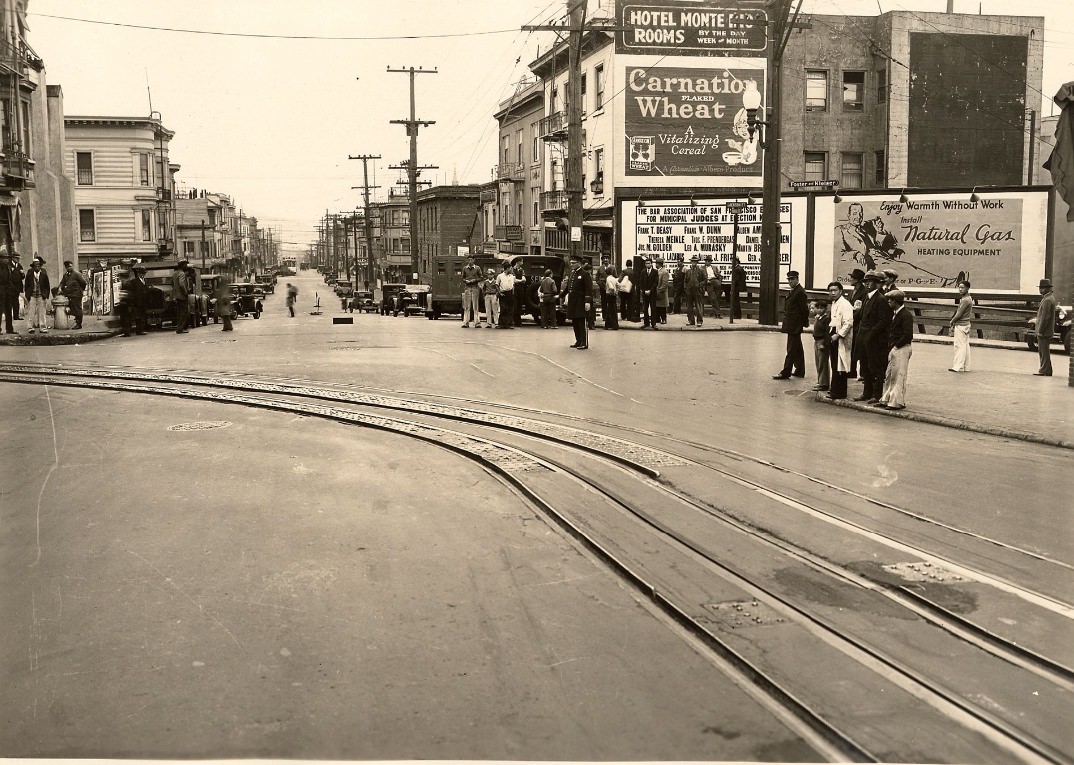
x: 947, y: 422
x: 53, y: 338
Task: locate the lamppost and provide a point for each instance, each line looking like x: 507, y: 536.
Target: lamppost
x: 771, y: 202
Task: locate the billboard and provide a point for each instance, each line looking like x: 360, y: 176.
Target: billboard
x: 676, y: 231
x: 689, y: 122
x: 678, y: 28
x: 933, y: 240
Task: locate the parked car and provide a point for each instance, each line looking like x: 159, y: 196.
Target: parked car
x: 1063, y: 316
x: 246, y: 299
x: 413, y: 298
x: 209, y: 283
x: 343, y: 288
x: 362, y: 301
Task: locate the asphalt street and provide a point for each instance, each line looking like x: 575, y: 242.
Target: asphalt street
x: 200, y: 579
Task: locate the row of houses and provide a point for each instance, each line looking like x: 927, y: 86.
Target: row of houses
x: 102, y: 191
x: 903, y: 101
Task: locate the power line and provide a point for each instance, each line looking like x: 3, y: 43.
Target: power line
x: 274, y: 37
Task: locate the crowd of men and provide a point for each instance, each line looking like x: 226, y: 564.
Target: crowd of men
x: 29, y: 294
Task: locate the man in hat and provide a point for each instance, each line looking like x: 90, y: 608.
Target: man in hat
x: 738, y: 283
x: 694, y: 286
x: 471, y: 293
x: 660, y: 294
x: 647, y: 288
x: 491, y: 295
x: 579, y: 292
x: 857, y: 300
x: 134, y: 295
x: 1045, y: 327
x: 10, y: 287
x: 890, y: 277
x: 180, y: 293
x: 713, y: 286
x: 873, y: 339
x: 900, y: 338
x: 795, y: 319
x: 20, y: 277
x: 72, y: 286
x: 36, y: 290
x: 841, y: 329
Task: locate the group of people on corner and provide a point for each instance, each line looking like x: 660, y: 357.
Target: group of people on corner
x: 869, y: 335
x: 29, y: 294
x: 642, y: 292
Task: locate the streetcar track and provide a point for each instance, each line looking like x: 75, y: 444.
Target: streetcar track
x: 509, y: 461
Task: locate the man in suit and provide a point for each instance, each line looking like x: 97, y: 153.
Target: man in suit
x: 180, y: 293
x: 900, y: 338
x: 873, y: 339
x: 37, y: 291
x: 795, y: 319
x: 579, y: 295
x: 857, y: 300
x: 1045, y: 327
x: 72, y: 286
x: 10, y: 287
x: 694, y: 287
x: 649, y: 279
x: 135, y: 294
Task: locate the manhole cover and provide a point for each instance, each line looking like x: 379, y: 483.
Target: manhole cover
x: 184, y: 426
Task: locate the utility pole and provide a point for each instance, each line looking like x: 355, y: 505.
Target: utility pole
x: 203, y: 245
x: 368, y: 223
x: 412, y: 126
x: 779, y: 30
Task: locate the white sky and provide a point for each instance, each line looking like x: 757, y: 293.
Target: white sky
x: 272, y: 121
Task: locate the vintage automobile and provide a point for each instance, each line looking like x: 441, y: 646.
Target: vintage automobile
x: 1063, y: 316
x: 384, y: 297
x: 267, y: 283
x: 209, y: 284
x: 362, y: 301
x: 343, y: 288
x: 412, y: 299
x: 246, y: 299
x: 160, y: 308
x: 534, y: 266
x: 444, y: 276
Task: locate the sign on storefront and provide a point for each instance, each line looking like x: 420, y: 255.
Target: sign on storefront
x: 678, y: 28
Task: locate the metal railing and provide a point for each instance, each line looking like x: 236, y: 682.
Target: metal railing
x: 553, y: 200
x: 510, y: 171
x: 554, y: 126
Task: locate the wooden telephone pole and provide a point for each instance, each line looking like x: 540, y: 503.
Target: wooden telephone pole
x: 367, y: 216
x: 412, y: 126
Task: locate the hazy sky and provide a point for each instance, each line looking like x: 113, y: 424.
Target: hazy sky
x: 272, y: 121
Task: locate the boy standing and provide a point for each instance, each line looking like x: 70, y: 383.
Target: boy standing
x: 821, y: 342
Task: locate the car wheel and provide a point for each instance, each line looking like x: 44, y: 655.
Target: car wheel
x: 257, y: 314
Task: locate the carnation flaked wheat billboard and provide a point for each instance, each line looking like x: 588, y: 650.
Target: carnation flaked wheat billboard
x: 689, y: 122
x: 932, y: 242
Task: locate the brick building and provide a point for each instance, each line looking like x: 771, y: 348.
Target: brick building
x: 449, y: 218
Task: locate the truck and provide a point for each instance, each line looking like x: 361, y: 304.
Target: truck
x: 160, y: 308
x: 445, y: 282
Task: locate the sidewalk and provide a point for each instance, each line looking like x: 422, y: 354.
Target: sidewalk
x: 999, y: 397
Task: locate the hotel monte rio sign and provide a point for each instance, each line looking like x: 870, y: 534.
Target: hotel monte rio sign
x: 684, y: 28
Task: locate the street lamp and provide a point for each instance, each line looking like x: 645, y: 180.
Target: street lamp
x: 751, y: 102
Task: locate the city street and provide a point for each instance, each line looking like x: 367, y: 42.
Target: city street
x: 185, y: 575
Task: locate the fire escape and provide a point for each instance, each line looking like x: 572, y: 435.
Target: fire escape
x: 16, y: 162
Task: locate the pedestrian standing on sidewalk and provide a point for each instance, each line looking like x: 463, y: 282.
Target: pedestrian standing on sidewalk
x: 660, y: 299
x: 37, y: 291
x: 180, y: 293
x: 694, y: 285
x: 9, y: 291
x: 505, y: 283
x: 471, y: 294
x: 1045, y: 327
x: 960, y: 329
x: 795, y: 319
x: 610, y: 299
x: 900, y: 339
x: 841, y: 324
x: 626, y: 287
x: 857, y: 302
x: 822, y: 342
x: 713, y: 286
x: 20, y: 278
x: 492, y: 298
x: 678, y: 286
x: 872, y: 339
x: 72, y: 286
x: 738, y: 283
